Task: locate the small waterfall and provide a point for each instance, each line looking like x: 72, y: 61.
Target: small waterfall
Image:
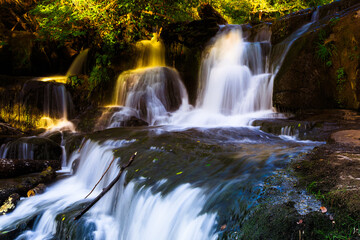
x: 152, y: 52
x: 279, y: 52
x: 151, y: 90
x: 51, y: 101
x: 57, y: 102
x: 21, y: 150
x: 235, y: 83
x: 36, y: 148
x: 79, y: 65
x: 126, y: 212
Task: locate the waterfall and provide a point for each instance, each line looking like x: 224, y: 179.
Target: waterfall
x: 126, y: 212
x: 233, y: 78
x: 235, y: 83
x: 236, y: 78
x: 51, y: 100
x: 78, y: 66
x: 57, y: 102
x: 150, y: 91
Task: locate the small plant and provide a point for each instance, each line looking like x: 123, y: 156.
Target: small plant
x: 340, y: 76
x: 325, y: 51
x: 334, y: 21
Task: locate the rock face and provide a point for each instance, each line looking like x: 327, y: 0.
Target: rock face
x: 184, y: 43
x: 322, y: 67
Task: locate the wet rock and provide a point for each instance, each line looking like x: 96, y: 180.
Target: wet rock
x: 206, y: 11
x: 13, y: 168
x: 316, y: 125
x: 351, y: 137
x: 23, y: 184
x: 331, y: 171
x: 283, y: 27
x: 286, y: 25
x: 35, y: 148
x: 73, y: 143
x: 119, y: 117
x: 300, y: 129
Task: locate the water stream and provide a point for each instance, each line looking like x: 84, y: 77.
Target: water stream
x: 185, y: 182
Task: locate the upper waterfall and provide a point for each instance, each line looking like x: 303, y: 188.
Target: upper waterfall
x: 234, y: 78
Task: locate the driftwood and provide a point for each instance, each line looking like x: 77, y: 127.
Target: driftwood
x: 105, y: 190
x: 17, y: 167
x: 40, y: 188
x: 101, y: 177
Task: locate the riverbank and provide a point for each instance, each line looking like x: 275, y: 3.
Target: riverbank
x: 330, y: 172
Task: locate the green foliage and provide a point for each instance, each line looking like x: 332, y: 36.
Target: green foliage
x: 334, y: 21
x: 313, y: 189
x: 340, y: 76
x: 112, y: 21
x: 3, y: 43
x: 75, y: 81
x: 99, y: 73
x: 57, y: 21
x: 324, y: 51
x: 241, y: 11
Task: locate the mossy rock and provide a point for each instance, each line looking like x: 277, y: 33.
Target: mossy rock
x: 37, y: 148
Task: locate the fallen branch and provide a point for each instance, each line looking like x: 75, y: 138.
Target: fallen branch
x: 105, y: 190
x: 101, y: 177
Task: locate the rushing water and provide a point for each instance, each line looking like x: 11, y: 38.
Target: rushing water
x: 184, y: 184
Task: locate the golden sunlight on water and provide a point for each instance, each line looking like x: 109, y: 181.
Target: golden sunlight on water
x: 152, y: 52
x: 49, y: 123
x: 58, y: 79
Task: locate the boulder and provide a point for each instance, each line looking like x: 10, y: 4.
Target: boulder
x: 32, y: 148
x: 206, y: 11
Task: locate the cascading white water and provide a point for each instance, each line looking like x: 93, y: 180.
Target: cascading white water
x: 57, y: 101
x: 150, y: 91
x: 22, y: 150
x: 123, y: 213
x: 234, y: 79
x: 235, y: 84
